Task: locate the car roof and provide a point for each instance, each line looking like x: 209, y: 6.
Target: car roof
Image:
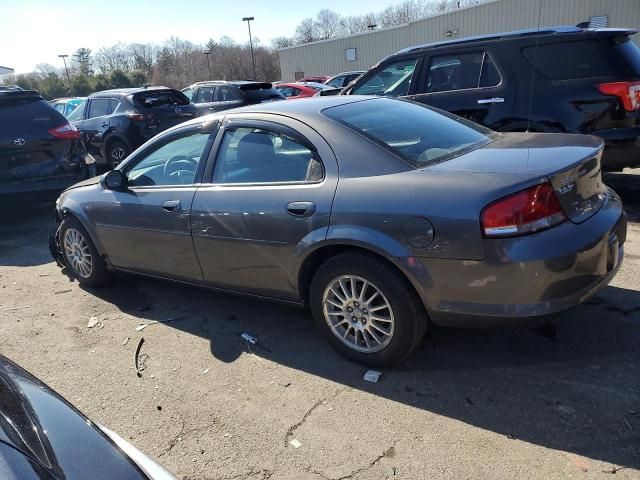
x: 126, y: 91
x: 532, y: 32
x: 225, y: 82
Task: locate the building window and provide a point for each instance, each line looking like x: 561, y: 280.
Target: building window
x: 599, y: 21
x: 351, y: 54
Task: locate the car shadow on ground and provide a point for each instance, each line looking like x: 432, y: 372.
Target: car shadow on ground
x: 572, y: 387
x: 24, y: 234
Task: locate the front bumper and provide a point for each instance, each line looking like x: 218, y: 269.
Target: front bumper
x: 527, y: 278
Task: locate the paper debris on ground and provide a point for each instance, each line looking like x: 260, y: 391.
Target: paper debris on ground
x: 206, y: 371
x: 125, y: 341
x: 295, y: 443
x: 251, y: 339
x: 372, y: 376
x: 93, y: 322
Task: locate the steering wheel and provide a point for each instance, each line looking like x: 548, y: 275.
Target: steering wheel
x: 180, y: 165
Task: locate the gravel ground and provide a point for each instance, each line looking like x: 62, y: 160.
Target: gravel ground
x: 555, y: 403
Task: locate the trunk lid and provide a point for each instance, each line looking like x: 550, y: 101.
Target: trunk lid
x: 570, y: 162
x: 27, y: 149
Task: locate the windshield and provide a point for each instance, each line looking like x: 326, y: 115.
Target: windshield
x: 77, y: 112
x: 418, y: 134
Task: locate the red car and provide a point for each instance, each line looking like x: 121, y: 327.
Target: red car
x: 293, y: 91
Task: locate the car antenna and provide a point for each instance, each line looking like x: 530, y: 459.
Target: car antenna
x: 533, y: 68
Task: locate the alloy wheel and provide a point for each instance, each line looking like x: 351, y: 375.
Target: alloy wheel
x: 358, y: 313
x: 118, y: 154
x: 77, y: 252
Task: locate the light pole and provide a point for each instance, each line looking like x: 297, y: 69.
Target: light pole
x: 207, y: 53
x: 64, y: 59
x: 253, y: 59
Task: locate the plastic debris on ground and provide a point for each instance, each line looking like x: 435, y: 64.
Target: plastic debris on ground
x: 295, y: 443
x: 93, y: 322
x: 372, y: 376
x: 206, y: 371
x: 125, y: 341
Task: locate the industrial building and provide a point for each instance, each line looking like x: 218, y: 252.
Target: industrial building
x: 5, y: 70
x: 361, y: 51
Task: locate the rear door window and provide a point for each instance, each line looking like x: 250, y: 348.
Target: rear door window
x: 574, y: 60
x: 256, y: 155
x: 99, y: 107
x: 205, y: 95
x: 462, y: 71
x: 227, y: 94
x: 392, y: 80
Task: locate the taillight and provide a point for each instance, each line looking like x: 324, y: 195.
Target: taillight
x: 136, y: 117
x: 627, y: 92
x: 65, y: 132
x: 528, y: 211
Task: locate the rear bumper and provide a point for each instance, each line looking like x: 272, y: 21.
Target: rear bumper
x: 39, y: 189
x: 527, y: 279
x: 622, y: 147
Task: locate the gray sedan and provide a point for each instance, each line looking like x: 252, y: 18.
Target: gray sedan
x: 382, y: 216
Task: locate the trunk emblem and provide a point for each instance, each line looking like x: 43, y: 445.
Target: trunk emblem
x: 178, y: 110
x: 19, y: 142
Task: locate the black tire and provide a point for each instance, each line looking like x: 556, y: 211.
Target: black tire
x: 410, y: 318
x: 116, y: 152
x: 98, y: 275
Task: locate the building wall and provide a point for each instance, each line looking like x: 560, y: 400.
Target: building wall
x: 328, y: 56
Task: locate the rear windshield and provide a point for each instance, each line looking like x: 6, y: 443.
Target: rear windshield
x: 574, y: 60
x: 159, y: 98
x: 257, y: 94
x: 630, y: 52
x: 420, y: 135
x: 24, y: 115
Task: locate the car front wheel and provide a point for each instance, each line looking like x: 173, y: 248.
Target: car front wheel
x: 81, y: 255
x: 367, y: 310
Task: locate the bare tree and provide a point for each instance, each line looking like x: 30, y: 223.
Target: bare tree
x: 306, y: 32
x: 282, y: 42
x: 329, y: 24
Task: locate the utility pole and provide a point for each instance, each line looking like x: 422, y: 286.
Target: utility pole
x: 64, y: 59
x: 253, y: 59
x: 207, y: 53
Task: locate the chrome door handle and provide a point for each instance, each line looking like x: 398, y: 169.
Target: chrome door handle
x: 171, y: 205
x: 484, y: 101
x: 301, y: 209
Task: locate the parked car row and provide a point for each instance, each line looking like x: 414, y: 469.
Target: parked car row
x: 556, y: 80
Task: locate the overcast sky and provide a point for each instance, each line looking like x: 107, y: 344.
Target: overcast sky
x: 36, y: 31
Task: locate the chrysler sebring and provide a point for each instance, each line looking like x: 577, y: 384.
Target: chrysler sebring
x: 382, y: 216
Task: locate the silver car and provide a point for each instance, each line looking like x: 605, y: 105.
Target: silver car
x: 382, y: 216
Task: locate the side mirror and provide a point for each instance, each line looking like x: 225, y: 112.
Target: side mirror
x: 114, y: 180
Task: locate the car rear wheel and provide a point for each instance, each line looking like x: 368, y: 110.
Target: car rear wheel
x: 117, y: 152
x: 81, y: 255
x: 367, y: 310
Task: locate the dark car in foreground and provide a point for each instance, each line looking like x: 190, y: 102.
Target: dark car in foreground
x: 218, y: 95
x: 113, y: 123
x: 384, y: 217
x: 584, y: 81
x: 43, y: 437
x: 40, y: 152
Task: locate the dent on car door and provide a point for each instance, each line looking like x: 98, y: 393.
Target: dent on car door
x: 146, y: 227
x: 269, y: 197
x: 468, y: 83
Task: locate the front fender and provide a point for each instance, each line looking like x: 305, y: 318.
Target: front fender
x: 69, y: 206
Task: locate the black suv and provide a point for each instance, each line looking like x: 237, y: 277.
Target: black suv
x: 584, y: 81
x: 218, y: 95
x: 40, y: 152
x: 116, y: 122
